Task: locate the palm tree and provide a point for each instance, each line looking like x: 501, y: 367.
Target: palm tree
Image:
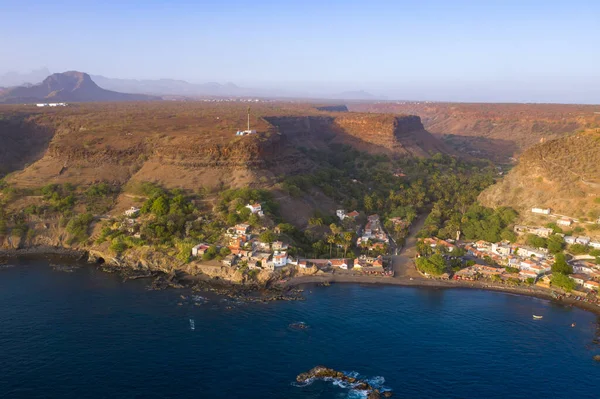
x: 348, y: 238
x: 331, y: 239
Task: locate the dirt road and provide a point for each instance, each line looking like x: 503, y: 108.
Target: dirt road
x: 403, y: 262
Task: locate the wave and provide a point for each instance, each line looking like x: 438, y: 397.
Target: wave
x: 376, y: 382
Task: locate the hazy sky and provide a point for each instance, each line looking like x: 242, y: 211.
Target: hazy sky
x: 484, y: 50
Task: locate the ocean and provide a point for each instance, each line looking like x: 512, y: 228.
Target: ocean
x: 87, y: 334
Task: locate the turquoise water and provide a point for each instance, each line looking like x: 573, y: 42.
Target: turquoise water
x: 86, y: 334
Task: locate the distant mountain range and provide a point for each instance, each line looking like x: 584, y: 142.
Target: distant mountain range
x: 174, y: 87
x: 11, y: 79
x: 69, y: 86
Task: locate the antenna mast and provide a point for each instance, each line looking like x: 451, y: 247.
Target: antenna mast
x: 248, y: 119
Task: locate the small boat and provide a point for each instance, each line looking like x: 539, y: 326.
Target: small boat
x: 538, y: 317
x: 572, y: 324
x: 192, y: 324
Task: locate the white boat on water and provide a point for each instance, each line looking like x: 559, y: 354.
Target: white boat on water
x: 192, y: 324
x: 537, y: 317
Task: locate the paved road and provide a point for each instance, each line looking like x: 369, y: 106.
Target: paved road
x: 403, y: 263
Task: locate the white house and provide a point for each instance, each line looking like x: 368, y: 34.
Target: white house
x: 528, y: 252
x: 579, y: 278
x: 570, y: 240
x: 542, y: 211
x: 280, y: 259
x: 255, y: 208
x: 591, y: 285
x: 581, y: 268
x: 341, y: 214
x: 133, y: 211
x: 582, y: 240
x: 341, y: 263
x: 501, y: 249
x: 594, y: 244
x: 564, y: 222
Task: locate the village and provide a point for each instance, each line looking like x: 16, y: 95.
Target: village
x: 257, y: 249
x: 522, y: 263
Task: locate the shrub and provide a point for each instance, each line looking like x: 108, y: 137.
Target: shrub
x: 563, y: 281
x: 78, y: 227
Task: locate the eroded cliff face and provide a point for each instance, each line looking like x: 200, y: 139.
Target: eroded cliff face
x: 562, y: 174
x: 375, y: 133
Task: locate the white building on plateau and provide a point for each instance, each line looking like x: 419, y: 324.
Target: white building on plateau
x: 51, y: 105
x: 542, y: 211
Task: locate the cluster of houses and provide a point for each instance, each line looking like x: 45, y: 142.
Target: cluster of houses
x: 373, y: 237
x: 363, y: 264
x: 518, y: 261
x: 545, y: 232
x: 249, y: 250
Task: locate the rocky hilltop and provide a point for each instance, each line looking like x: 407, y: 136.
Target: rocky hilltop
x: 190, y: 145
x: 69, y: 86
x: 562, y: 174
x: 494, y: 131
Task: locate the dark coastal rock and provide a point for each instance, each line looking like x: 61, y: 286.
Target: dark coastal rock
x: 300, y: 325
x: 322, y: 372
x: 374, y: 395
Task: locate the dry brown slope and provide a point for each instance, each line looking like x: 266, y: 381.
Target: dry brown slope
x: 563, y: 174
x: 190, y: 145
x: 496, y: 131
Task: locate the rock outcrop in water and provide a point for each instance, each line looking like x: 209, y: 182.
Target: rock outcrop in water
x: 322, y: 372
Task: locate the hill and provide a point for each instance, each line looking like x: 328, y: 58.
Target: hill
x: 69, y: 86
x: 184, y: 144
x: 562, y: 174
x: 493, y: 131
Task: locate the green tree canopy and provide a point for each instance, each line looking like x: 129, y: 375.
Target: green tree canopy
x: 563, y: 281
x: 434, y: 265
x: 560, y: 265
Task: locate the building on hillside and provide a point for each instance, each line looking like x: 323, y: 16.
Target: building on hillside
x: 279, y: 246
x: 353, y: 215
x: 538, y: 253
x: 541, y: 211
x: 525, y: 274
x: 594, y: 244
x: 579, y: 278
x: 280, y: 259
x: 241, y: 228
x: 230, y: 260
x: 339, y: 263
x: 592, y: 285
x: 564, y: 222
x: 131, y: 212
x: 341, y: 214
x: 543, y: 232
x: 199, y: 249
x: 501, y: 249
x: 583, y: 240
x: 570, y: 240
x: 255, y: 208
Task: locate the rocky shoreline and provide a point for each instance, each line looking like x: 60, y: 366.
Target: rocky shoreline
x: 264, y: 293
x: 325, y: 373
x: 247, y: 293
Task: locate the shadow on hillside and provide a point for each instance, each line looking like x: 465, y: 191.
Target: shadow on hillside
x: 497, y: 150
x: 22, y: 143
x: 318, y: 132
